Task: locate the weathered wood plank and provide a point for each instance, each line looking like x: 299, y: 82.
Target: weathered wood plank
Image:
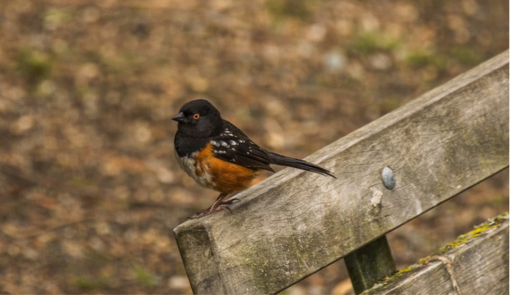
x: 295, y: 223
x: 478, y: 266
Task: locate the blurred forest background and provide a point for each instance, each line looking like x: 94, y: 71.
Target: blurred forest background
x: 89, y: 187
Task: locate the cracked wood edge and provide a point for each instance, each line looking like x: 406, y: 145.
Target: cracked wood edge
x: 479, y: 266
x: 296, y: 223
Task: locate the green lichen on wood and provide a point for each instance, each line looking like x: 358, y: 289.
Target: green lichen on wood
x: 479, y: 229
x: 386, y: 282
x: 460, y: 240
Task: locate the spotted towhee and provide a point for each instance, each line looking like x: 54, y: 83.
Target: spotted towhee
x: 217, y: 155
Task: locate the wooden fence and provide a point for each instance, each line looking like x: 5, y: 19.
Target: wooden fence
x: 475, y: 263
x: 389, y: 172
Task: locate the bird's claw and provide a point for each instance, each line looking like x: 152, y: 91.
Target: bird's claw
x: 220, y: 206
x: 229, y: 202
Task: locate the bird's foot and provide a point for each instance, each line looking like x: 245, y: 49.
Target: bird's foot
x: 229, y: 202
x: 212, y: 209
x: 224, y: 205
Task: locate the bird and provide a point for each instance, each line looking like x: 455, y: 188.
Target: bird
x: 219, y: 156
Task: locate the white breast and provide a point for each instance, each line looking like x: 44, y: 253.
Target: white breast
x: 188, y: 164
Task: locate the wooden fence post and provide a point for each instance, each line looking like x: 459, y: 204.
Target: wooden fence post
x: 369, y: 264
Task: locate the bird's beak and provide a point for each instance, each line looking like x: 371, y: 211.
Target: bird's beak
x: 179, y: 117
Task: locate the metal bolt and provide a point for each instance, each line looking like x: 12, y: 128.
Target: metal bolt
x: 388, y: 178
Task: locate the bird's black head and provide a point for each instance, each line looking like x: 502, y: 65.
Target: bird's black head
x: 199, y: 118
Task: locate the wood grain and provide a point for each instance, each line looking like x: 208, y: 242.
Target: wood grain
x: 295, y: 223
x: 479, y: 266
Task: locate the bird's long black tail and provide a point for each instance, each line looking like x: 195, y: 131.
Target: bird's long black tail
x: 296, y: 163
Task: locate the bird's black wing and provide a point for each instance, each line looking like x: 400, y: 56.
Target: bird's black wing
x: 234, y: 146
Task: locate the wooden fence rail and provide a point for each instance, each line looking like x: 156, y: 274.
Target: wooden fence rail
x: 294, y: 224
x: 477, y: 263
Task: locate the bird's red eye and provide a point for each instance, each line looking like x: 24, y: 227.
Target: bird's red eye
x: 196, y: 116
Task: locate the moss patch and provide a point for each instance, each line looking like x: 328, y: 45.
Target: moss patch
x: 462, y: 239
